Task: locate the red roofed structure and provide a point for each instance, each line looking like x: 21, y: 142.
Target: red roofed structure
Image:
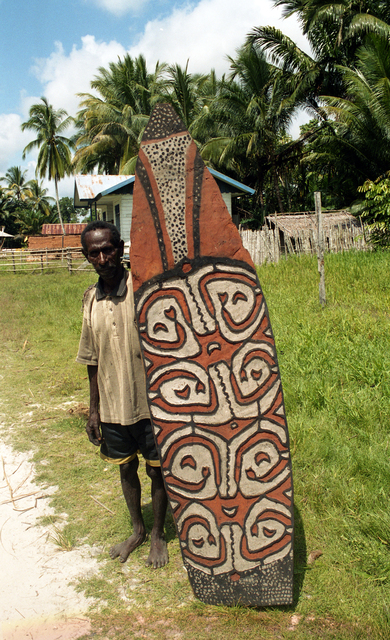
x: 52, y: 237
x: 71, y: 229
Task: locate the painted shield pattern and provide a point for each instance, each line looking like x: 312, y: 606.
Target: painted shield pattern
x: 213, y: 381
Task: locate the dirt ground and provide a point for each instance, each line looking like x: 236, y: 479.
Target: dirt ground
x: 36, y: 599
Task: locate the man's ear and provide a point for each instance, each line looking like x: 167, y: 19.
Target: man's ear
x: 121, y: 247
x: 85, y: 254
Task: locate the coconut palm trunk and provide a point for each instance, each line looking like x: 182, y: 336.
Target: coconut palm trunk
x: 58, y: 206
x: 275, y: 179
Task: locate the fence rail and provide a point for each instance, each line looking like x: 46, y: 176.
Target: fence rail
x: 264, y: 245
x: 269, y: 245
x: 23, y: 260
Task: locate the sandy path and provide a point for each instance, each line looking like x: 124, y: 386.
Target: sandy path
x: 36, y: 601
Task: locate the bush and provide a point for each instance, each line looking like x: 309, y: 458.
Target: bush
x: 376, y: 209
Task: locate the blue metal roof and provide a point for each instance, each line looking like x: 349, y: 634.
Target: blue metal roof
x: 125, y: 183
x: 231, y: 182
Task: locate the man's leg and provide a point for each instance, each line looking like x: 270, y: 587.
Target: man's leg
x: 132, y: 492
x: 158, y: 555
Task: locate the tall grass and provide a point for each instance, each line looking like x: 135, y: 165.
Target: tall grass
x: 335, y: 365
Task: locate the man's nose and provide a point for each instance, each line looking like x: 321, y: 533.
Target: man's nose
x: 102, y: 258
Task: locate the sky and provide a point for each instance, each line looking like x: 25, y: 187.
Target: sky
x: 54, y: 48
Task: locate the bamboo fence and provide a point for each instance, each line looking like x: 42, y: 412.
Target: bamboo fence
x: 39, y: 260
x: 269, y: 245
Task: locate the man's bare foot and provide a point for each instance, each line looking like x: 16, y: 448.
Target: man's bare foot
x: 158, y: 556
x: 124, y: 549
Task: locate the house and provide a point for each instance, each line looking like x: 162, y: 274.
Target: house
x: 113, y: 196
x: 53, y: 238
x: 302, y: 227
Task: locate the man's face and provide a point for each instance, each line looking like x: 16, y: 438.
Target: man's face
x: 103, y: 255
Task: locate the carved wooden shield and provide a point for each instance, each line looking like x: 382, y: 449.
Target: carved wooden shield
x: 213, y: 381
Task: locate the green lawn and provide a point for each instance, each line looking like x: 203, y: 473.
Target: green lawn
x: 335, y: 365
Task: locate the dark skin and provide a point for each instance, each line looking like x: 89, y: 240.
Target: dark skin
x: 106, y: 260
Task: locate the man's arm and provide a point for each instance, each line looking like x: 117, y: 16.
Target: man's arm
x: 93, y: 424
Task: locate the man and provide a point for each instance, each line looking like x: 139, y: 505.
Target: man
x: 119, y: 418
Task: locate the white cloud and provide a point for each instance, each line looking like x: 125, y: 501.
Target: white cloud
x: 209, y: 31
x: 65, y: 187
x: 120, y: 7
x: 64, y: 75
x: 12, y: 141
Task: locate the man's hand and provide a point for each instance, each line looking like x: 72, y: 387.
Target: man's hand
x: 93, y: 429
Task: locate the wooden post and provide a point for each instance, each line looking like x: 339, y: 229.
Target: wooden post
x: 270, y: 240
x: 258, y: 247
x: 13, y: 260
x: 41, y: 262
x: 363, y: 229
x: 277, y: 240
x: 69, y: 260
x: 276, y: 245
x: 320, y: 247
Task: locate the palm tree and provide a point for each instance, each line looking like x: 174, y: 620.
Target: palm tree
x: 186, y: 93
x: 5, y: 201
x: 18, y: 188
x: 54, y: 157
x: 363, y: 116
x: 253, y: 120
x: 39, y: 199
x: 111, y: 123
x: 204, y: 126
x: 335, y: 32
x: 30, y: 221
x: 346, y: 22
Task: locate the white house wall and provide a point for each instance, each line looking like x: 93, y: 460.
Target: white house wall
x: 227, y: 198
x: 126, y: 211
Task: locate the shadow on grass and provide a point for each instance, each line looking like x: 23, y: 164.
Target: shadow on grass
x: 300, y: 555
x: 300, y: 565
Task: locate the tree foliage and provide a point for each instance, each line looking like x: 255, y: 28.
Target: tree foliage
x: 253, y: 112
x: 241, y: 122
x: 69, y: 212
x: 376, y: 208
x: 18, y: 188
x: 54, y: 157
x: 112, y: 120
x: 24, y: 206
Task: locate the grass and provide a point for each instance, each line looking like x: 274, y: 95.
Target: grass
x: 335, y: 365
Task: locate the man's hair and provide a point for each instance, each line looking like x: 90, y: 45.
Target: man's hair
x: 101, y: 224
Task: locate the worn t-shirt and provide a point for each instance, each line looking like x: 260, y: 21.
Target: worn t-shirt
x: 109, y: 340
